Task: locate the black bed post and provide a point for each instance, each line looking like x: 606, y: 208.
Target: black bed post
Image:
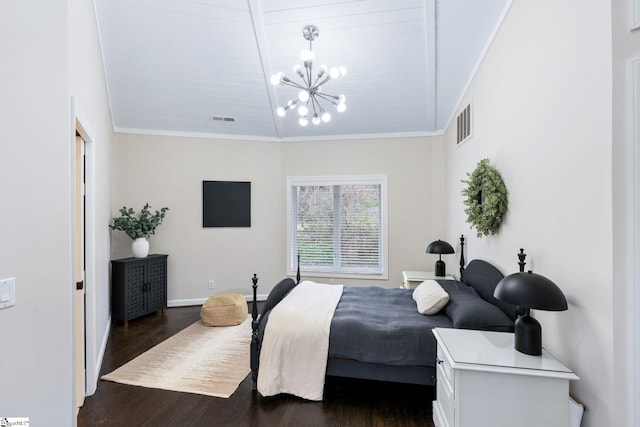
x: 461, y: 256
x: 254, y: 334
x: 521, y: 257
x: 298, y: 272
x: 520, y: 311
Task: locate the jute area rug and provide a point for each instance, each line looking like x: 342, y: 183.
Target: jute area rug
x: 199, y: 359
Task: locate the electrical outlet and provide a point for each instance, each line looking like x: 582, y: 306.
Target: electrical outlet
x: 212, y: 284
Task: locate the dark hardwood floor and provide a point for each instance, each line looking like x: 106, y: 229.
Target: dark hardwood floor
x: 347, y: 402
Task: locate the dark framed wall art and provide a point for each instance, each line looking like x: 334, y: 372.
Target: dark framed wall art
x: 226, y: 204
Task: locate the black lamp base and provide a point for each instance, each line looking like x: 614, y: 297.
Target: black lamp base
x: 440, y: 268
x: 528, y: 335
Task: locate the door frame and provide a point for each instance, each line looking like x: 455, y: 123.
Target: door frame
x: 633, y: 302
x: 79, y: 271
x: 80, y: 124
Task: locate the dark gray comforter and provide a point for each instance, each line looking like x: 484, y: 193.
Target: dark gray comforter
x: 381, y: 325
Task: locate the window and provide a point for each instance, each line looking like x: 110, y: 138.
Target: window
x: 337, y: 225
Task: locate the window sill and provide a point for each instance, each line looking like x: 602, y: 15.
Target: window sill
x: 303, y: 274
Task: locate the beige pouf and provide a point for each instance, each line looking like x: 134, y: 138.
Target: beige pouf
x: 224, y: 310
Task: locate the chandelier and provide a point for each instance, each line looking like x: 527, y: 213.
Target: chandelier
x: 311, y: 98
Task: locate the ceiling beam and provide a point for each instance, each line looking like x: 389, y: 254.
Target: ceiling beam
x: 265, y: 60
x: 430, y: 55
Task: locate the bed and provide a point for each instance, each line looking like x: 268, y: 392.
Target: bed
x: 377, y: 333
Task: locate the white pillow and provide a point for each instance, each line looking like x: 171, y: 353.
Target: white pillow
x: 430, y: 297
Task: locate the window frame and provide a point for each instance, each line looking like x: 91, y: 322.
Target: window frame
x: 330, y: 180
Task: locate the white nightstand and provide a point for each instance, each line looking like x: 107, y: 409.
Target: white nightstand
x: 411, y: 279
x: 482, y: 381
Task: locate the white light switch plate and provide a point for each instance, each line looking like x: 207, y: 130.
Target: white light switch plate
x: 7, y: 292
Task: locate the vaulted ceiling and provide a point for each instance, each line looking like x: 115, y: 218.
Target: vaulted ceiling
x: 178, y: 67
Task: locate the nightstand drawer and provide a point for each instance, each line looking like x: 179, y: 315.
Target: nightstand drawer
x: 444, y: 368
x: 445, y: 398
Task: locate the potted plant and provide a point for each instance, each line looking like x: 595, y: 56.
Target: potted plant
x: 138, y: 226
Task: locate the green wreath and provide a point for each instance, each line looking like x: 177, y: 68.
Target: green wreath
x: 485, y: 198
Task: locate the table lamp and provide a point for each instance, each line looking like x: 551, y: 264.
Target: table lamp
x: 440, y: 247
x: 526, y: 291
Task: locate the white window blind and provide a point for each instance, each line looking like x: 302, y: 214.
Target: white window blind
x: 337, y: 225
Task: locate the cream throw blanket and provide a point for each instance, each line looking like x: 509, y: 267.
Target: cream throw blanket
x: 293, y: 357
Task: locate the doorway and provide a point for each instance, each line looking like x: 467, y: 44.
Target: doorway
x: 79, y: 273
x: 83, y: 272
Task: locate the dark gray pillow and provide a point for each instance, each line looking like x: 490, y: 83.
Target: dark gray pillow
x: 467, y: 309
x: 278, y: 292
x: 484, y: 278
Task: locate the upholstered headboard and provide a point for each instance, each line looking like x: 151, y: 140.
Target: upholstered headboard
x: 484, y: 277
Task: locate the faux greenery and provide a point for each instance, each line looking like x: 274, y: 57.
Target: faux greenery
x: 139, y: 225
x: 485, y: 199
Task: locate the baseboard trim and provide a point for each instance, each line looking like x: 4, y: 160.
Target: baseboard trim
x: 200, y: 301
x: 93, y: 386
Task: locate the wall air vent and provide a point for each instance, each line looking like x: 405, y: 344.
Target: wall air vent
x: 464, y: 125
x: 219, y: 119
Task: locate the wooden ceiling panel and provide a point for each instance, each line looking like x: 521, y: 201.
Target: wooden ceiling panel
x: 171, y: 64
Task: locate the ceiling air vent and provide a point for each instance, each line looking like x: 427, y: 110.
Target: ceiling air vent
x: 464, y: 124
x: 220, y: 119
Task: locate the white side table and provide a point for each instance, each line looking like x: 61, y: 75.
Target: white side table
x: 411, y: 279
x: 483, y: 381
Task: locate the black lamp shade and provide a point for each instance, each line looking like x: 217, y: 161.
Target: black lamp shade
x: 440, y: 247
x: 529, y: 290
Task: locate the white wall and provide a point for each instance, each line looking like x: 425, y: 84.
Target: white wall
x: 168, y: 171
x: 541, y: 104
x: 414, y: 169
x: 626, y: 46
x: 35, y: 227
x: 39, y: 46
x: 87, y: 86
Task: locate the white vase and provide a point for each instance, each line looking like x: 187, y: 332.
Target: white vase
x: 140, y: 247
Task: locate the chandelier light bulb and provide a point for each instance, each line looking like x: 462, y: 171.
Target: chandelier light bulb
x: 281, y: 112
x: 276, y: 78
x: 334, y: 73
x: 343, y: 71
x: 303, y: 110
x: 303, y: 121
x: 316, y: 120
x: 303, y: 96
x: 341, y: 107
x: 321, y: 70
x: 298, y: 70
x: 326, y: 117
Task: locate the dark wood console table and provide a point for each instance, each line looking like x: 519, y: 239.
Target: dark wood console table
x: 138, y: 287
